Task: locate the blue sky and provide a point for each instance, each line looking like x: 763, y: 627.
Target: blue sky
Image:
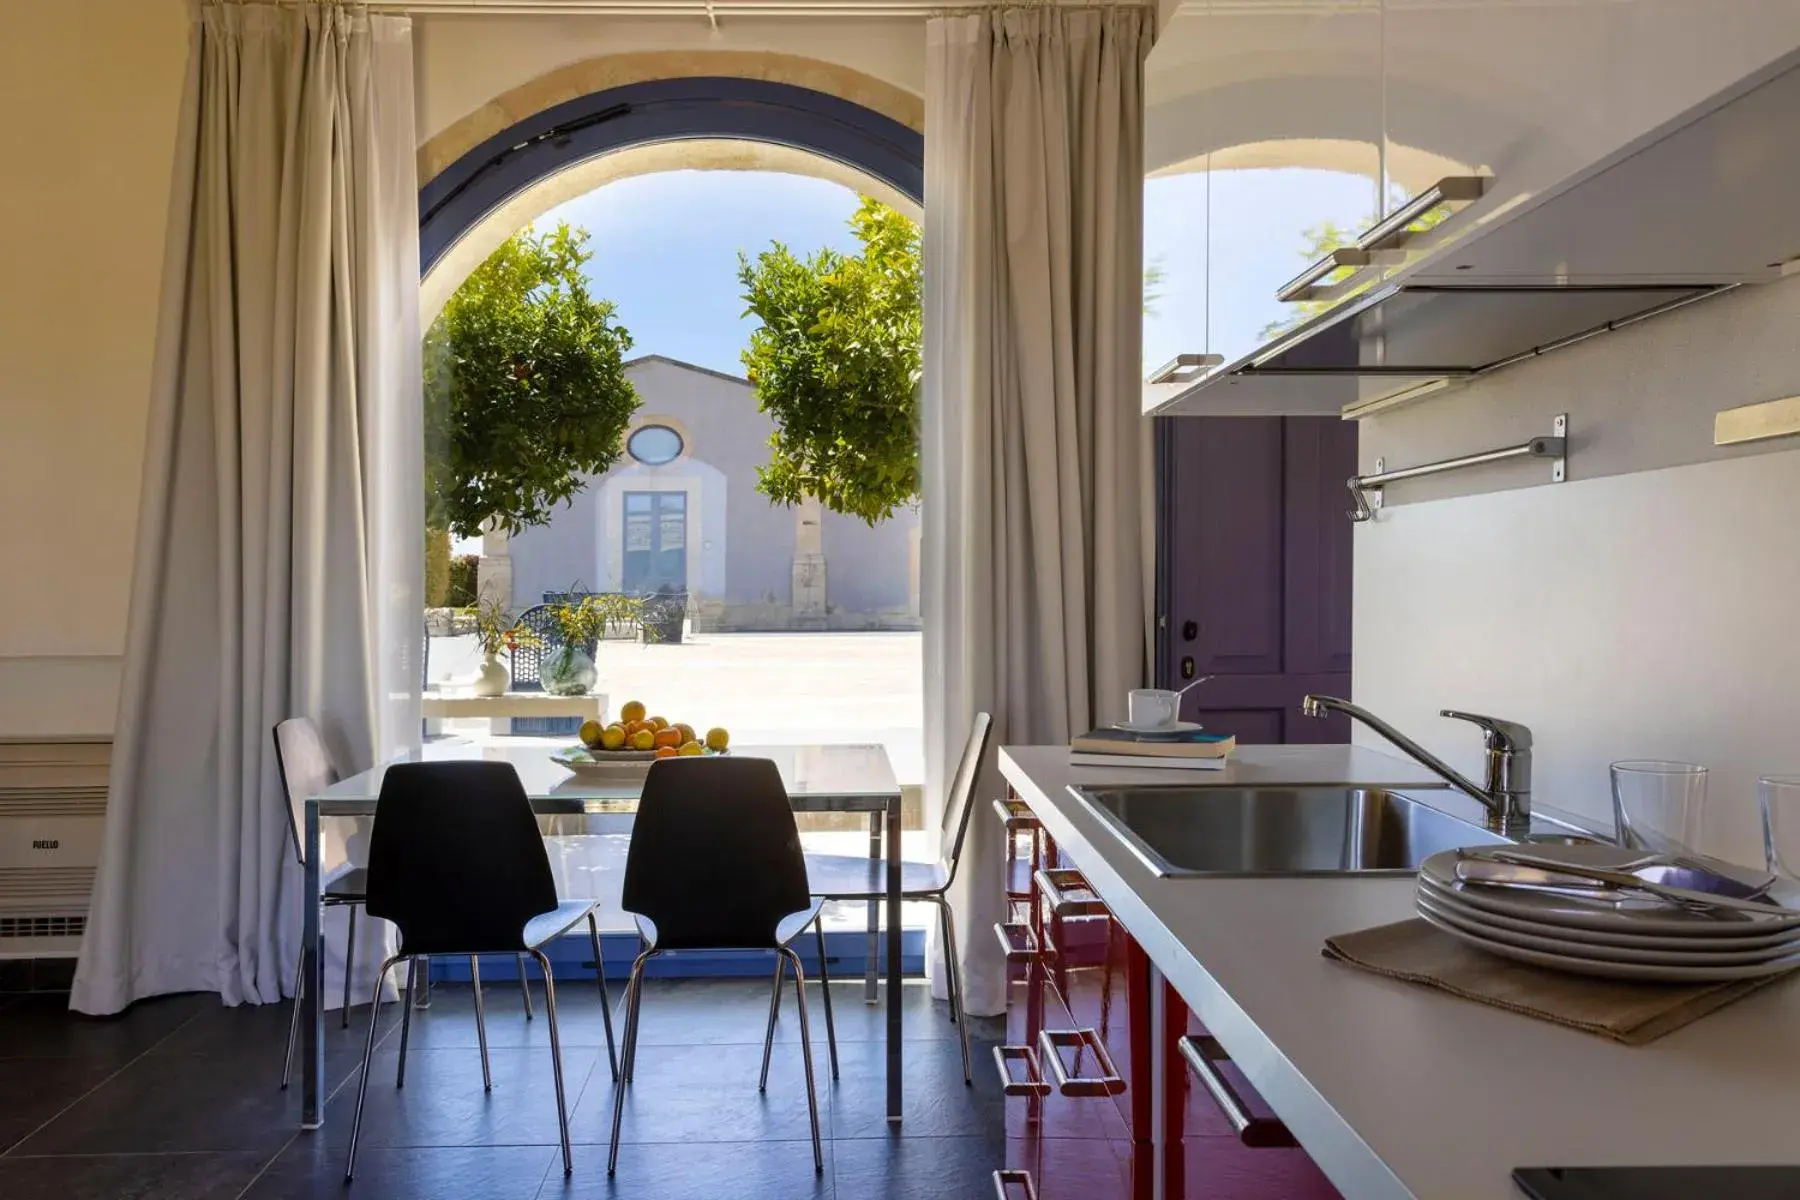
x: 666, y: 250
x: 666, y: 246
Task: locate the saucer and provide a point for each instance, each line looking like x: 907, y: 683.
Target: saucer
x: 1171, y: 730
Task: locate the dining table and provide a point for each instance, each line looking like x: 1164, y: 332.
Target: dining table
x: 836, y: 778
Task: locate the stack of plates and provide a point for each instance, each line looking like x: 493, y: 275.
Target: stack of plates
x: 1617, y: 935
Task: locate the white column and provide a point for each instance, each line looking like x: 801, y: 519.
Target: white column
x: 809, y: 565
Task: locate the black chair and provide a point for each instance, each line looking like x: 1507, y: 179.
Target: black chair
x: 715, y: 864
x: 848, y: 877
x: 457, y: 863
x: 306, y: 769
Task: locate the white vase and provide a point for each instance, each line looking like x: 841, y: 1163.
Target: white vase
x: 492, y: 679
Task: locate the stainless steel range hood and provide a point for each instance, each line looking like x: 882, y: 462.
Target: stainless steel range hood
x: 1703, y: 204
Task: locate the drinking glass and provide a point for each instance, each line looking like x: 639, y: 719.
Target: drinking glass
x: 1657, y: 805
x: 1779, y: 798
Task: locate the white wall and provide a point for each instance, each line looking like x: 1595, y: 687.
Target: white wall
x: 1648, y: 608
x: 462, y: 62
x: 89, y: 92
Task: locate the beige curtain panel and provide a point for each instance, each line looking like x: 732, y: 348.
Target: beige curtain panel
x: 1037, y: 489
x: 278, y: 557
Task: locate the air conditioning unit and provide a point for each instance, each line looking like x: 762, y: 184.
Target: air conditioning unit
x: 52, y: 814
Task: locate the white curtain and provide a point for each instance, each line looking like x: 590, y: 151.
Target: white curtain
x: 279, y: 559
x: 1037, y: 483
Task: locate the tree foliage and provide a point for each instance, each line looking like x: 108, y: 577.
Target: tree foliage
x: 525, y: 389
x: 836, y: 364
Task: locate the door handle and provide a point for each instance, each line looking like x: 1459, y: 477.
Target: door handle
x: 1006, y: 1181
x: 1016, y: 816
x: 1033, y: 1082
x: 1190, y: 630
x: 1019, y: 942
x: 1053, y: 883
x: 1107, y: 1083
x: 1203, y: 1055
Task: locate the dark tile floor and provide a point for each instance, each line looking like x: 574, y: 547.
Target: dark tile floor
x: 178, y: 1098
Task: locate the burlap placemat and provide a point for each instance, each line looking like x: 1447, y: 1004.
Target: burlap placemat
x: 1632, y: 1013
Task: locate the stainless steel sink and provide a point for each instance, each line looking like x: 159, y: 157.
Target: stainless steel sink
x: 1185, y: 830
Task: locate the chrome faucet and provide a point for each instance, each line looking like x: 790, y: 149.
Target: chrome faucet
x: 1507, y: 796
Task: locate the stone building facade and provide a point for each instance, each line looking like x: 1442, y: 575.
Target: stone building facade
x: 681, y: 512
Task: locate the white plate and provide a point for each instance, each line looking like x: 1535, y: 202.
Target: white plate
x: 1621, y: 954
x: 1459, y: 905
x: 1171, y: 730
x: 1643, y: 972
x: 1622, y: 915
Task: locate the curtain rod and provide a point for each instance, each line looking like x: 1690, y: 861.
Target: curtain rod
x: 715, y: 10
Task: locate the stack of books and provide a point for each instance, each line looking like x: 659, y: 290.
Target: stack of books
x: 1193, y: 748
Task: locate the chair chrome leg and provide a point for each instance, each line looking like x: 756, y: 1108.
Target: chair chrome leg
x: 812, y: 1091
x: 349, y: 959
x: 774, y: 1007
x: 412, y: 978
x: 362, y: 1084
x: 562, y: 1108
x: 629, y: 1064
x: 525, y: 986
x: 953, y: 986
x: 612, y: 1054
x: 825, y: 991
x: 633, y: 995
x: 287, y: 1070
x: 487, y: 1075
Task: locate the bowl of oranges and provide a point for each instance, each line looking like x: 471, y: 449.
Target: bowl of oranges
x: 637, y: 739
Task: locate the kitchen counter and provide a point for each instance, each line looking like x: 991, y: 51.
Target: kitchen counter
x: 1397, y: 1090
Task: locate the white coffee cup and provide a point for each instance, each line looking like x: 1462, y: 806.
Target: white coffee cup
x: 1153, y: 708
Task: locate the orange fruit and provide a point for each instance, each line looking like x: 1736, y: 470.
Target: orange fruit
x: 643, y: 739
x: 667, y: 738
x: 665, y: 752
x: 632, y: 710
x: 687, y: 733
x: 612, y: 737
x: 590, y: 733
x: 660, y: 722
x: 637, y: 727
x: 690, y: 748
x: 717, y: 739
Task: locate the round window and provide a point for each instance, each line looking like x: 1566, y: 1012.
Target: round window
x: 654, y: 445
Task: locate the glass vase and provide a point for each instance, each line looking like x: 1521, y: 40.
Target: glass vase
x: 568, y: 671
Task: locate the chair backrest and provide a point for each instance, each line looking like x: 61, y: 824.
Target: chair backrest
x: 456, y: 859
x: 715, y: 858
x: 959, y: 803
x: 306, y: 769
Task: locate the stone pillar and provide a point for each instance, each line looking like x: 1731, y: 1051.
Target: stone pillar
x: 493, y: 574
x: 914, y: 540
x: 809, y: 565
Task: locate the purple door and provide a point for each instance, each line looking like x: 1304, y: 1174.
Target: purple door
x: 1253, y: 569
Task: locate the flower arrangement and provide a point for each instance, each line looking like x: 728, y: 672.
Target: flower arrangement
x: 497, y: 628
x: 584, y: 622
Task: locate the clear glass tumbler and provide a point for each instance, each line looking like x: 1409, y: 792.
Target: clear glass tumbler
x: 1779, y: 798
x: 1658, y: 805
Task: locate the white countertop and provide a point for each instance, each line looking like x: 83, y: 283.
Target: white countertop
x: 1395, y: 1089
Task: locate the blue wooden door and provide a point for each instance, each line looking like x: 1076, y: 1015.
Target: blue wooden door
x: 1254, y: 570
x: 655, y: 555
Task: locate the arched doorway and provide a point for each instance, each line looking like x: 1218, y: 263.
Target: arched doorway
x: 696, y: 108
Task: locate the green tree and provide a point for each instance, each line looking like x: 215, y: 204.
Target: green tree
x: 835, y: 362
x: 525, y: 388
x: 1155, y: 276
